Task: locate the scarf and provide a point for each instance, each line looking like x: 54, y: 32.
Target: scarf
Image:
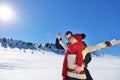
x: 75, y: 48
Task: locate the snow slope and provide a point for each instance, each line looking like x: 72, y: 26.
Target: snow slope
x: 26, y: 64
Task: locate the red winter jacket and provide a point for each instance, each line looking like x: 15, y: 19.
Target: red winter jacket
x: 75, y: 48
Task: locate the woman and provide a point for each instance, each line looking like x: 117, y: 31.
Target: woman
x: 73, y: 68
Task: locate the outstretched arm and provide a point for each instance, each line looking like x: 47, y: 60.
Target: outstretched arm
x: 99, y: 46
x: 64, y: 45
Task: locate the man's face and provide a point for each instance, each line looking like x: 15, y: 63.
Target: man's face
x: 68, y: 36
x: 71, y: 39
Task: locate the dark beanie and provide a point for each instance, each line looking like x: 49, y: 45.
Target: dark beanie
x: 77, y: 37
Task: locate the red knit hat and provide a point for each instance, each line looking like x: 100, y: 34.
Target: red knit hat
x: 77, y: 37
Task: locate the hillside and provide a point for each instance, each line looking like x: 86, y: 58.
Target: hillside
x: 27, y: 64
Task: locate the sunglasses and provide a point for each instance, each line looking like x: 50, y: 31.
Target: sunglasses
x: 69, y: 38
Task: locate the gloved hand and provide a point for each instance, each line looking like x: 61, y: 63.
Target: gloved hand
x: 58, y: 35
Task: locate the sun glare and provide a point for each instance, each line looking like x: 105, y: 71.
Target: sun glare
x: 6, y: 13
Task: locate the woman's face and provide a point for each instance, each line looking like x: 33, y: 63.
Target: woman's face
x: 72, y: 40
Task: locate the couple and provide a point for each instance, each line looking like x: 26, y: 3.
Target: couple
x: 74, y: 66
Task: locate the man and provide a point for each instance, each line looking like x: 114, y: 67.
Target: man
x: 72, y: 62
x: 60, y: 44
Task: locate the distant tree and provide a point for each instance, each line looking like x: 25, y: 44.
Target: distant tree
x: 34, y: 44
x: 53, y: 45
x: 17, y: 43
x: 23, y: 43
x: 50, y: 45
x: 29, y: 44
x: 11, y: 39
x: 4, y: 40
x: 47, y: 45
x: 7, y: 39
x: 40, y: 46
x: 10, y: 45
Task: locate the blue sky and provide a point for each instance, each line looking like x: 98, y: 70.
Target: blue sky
x: 39, y: 20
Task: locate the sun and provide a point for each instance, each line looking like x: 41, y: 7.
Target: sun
x: 6, y: 13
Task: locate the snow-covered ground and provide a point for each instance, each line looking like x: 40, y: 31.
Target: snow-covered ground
x: 16, y: 64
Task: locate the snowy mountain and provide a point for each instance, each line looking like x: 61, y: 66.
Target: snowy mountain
x: 22, y: 45
x: 10, y: 43
x: 38, y: 62
x: 18, y: 44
